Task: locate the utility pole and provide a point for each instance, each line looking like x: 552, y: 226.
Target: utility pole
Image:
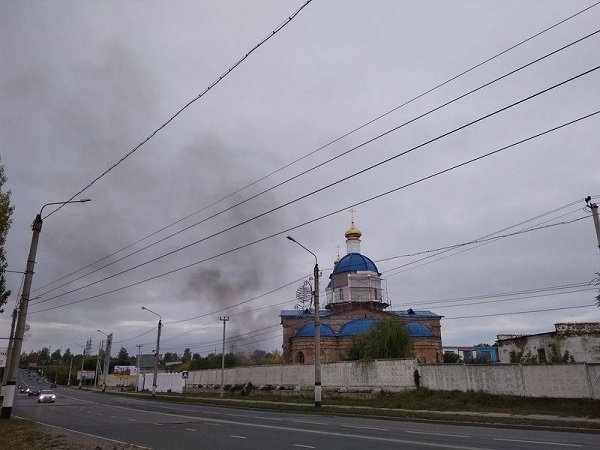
x: 13, y: 369
x: 594, y: 209
x: 137, y: 383
x: 70, y: 370
x: 224, y: 319
x: 317, y: 327
x: 157, y: 349
x: 98, y: 367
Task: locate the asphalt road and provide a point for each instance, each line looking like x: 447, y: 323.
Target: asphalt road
x: 160, y: 425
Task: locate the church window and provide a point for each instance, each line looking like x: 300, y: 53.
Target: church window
x: 300, y: 357
x: 375, y: 293
x: 341, y: 295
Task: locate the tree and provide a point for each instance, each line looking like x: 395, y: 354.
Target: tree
x: 56, y: 355
x: 187, y: 355
x: 389, y: 338
x: 6, y: 211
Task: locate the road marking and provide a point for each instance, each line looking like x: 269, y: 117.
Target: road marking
x: 439, y: 434
x: 318, y: 432
x: 266, y: 418
x: 114, y: 417
x: 100, y: 414
x: 538, y: 442
x: 191, y: 429
x: 309, y: 422
x: 365, y: 428
x: 237, y: 437
x: 303, y: 446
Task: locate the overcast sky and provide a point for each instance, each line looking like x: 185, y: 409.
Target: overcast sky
x: 82, y: 84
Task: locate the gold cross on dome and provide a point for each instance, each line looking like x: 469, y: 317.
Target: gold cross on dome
x: 352, y: 211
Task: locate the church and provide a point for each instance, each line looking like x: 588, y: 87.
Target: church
x: 354, y: 304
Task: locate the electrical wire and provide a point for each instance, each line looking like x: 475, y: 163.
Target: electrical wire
x: 385, y: 161
x: 340, y: 137
x: 198, y: 97
x: 323, y: 216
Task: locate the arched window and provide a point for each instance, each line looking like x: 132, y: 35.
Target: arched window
x: 341, y: 295
x: 300, y: 357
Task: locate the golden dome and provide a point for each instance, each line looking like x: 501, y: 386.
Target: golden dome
x: 353, y: 232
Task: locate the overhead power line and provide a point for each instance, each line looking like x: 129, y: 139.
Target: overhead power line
x: 426, y: 92
x: 478, y: 316
x: 321, y: 217
x: 198, y: 97
x: 345, y: 178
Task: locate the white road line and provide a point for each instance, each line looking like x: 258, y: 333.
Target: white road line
x: 191, y: 429
x: 114, y: 417
x: 309, y: 422
x: 538, y: 442
x: 307, y: 431
x: 303, y: 446
x: 462, y: 436
x: 237, y: 437
x: 132, y: 420
x: 365, y: 428
x: 267, y: 418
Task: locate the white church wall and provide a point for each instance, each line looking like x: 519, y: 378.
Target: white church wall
x: 579, y: 380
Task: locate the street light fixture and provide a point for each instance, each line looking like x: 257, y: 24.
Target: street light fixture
x: 157, y: 348
x: 317, y: 327
x: 13, y: 369
x: 107, y: 349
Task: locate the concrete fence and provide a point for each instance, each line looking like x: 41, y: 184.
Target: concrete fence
x: 579, y: 380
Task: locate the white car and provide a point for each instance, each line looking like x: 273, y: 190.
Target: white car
x: 46, y: 396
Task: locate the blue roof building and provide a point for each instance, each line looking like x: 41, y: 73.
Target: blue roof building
x: 355, y: 303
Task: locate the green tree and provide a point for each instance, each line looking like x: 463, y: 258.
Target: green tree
x: 6, y: 211
x: 187, y: 355
x: 389, y: 338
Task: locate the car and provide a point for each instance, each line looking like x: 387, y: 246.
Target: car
x: 34, y: 391
x: 46, y: 396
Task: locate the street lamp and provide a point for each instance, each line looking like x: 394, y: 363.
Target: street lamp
x: 157, y: 348
x: 317, y: 328
x: 13, y: 369
x: 109, y: 338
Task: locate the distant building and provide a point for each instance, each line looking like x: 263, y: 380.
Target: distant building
x: 578, y: 342
x: 355, y: 302
x: 476, y: 353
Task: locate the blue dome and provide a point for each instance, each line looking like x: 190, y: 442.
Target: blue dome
x: 308, y: 330
x: 353, y: 262
x: 357, y: 326
x: 417, y: 329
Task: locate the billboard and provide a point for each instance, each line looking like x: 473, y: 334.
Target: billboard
x: 87, y: 374
x: 125, y: 370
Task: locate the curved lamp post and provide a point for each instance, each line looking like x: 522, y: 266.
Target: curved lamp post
x: 157, y: 348
x: 13, y: 369
x: 317, y: 328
